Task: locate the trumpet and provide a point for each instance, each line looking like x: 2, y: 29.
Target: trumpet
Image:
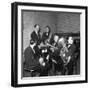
x: 51, y: 46
x: 48, y: 45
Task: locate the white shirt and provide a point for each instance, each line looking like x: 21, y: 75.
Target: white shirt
x: 33, y: 46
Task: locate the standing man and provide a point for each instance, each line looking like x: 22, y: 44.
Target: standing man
x: 36, y: 37
x: 46, y: 35
x: 71, y: 53
x: 36, y: 34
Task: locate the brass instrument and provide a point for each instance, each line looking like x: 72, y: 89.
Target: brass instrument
x: 47, y: 45
x: 65, y: 56
x: 51, y: 46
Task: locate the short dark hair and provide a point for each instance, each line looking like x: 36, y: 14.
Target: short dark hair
x: 31, y: 42
x: 36, y: 25
x: 48, y: 28
x: 56, y: 34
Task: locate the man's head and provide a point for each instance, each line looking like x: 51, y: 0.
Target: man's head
x: 31, y: 42
x: 37, y: 27
x: 70, y: 40
x: 47, y: 29
x: 56, y: 38
x: 61, y: 41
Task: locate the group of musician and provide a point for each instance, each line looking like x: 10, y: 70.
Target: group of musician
x: 49, y: 54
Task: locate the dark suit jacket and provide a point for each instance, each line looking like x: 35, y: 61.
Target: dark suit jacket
x: 71, y: 53
x: 30, y: 60
x: 45, y: 36
x: 56, y: 54
x: 72, y: 49
x: 35, y: 37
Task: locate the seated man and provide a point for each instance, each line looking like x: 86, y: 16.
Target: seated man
x: 30, y: 59
x: 42, y: 68
x: 44, y: 60
x: 34, y: 63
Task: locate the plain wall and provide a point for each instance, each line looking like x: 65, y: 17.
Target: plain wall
x: 68, y: 22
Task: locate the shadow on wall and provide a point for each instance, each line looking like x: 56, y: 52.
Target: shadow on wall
x: 67, y: 22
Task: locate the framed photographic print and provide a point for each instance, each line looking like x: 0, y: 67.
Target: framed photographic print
x: 49, y: 44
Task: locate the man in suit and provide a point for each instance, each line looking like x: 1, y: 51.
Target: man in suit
x: 71, y: 53
x: 46, y: 34
x: 34, y: 63
x: 56, y: 59
x: 36, y: 38
x: 30, y: 59
x: 36, y: 34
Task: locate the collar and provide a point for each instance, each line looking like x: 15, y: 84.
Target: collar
x: 32, y: 46
x: 36, y: 32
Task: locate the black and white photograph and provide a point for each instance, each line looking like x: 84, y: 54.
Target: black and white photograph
x: 51, y: 43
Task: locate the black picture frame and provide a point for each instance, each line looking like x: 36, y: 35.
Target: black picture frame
x: 14, y: 42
